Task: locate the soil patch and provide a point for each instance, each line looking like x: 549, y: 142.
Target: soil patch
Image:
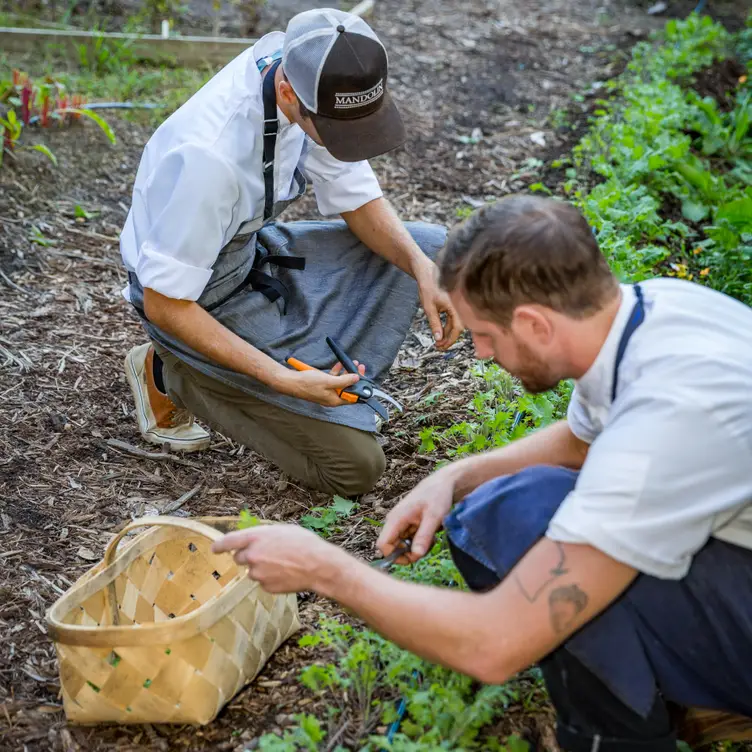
x: 719, y: 80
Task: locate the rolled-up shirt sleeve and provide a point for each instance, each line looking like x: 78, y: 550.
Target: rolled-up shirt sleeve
x: 659, y: 479
x: 182, y: 218
x: 579, y: 420
x: 339, y: 186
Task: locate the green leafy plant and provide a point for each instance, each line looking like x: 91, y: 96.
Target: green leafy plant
x: 306, y: 735
x: 247, y: 520
x: 443, y: 709
x: 105, y: 55
x: 42, y: 103
x: 435, y: 568
x: 662, y: 146
x: 324, y: 520
x: 498, y: 413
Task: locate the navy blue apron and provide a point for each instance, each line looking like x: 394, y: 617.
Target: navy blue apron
x: 689, y: 639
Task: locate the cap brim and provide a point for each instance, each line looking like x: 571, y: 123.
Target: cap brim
x: 362, y: 138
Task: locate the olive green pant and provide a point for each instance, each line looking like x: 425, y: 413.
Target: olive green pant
x: 324, y: 456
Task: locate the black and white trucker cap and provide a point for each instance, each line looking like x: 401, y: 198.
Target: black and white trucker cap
x: 338, y: 68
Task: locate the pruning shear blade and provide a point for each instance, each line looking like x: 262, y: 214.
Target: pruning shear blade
x: 401, y: 549
x: 364, y: 390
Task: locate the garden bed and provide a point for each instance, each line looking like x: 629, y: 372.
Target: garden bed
x: 495, y: 109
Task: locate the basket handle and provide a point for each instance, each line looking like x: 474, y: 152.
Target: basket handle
x: 157, y: 521
x: 184, y: 522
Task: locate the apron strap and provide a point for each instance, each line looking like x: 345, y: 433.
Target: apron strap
x: 286, y: 262
x: 271, y: 128
x: 635, y: 319
x: 272, y: 289
x: 267, y: 285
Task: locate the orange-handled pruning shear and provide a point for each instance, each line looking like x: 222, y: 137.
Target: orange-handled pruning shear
x: 364, y: 390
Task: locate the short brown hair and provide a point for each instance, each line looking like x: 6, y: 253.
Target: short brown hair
x: 527, y: 249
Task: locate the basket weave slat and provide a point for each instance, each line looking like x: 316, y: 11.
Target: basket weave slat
x: 162, y: 630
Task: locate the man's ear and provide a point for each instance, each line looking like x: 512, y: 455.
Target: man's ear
x: 285, y: 93
x: 533, y: 321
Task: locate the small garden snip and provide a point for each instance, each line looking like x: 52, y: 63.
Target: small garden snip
x: 362, y: 391
x: 402, y: 548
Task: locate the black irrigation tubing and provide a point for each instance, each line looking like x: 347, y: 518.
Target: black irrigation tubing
x: 109, y: 106
x: 401, y: 709
x: 123, y: 106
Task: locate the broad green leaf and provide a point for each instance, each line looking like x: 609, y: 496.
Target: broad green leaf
x: 693, y: 211
x: 247, y: 520
x: 342, y: 506
x: 311, y: 521
x: 47, y: 153
x: 737, y: 212
x: 100, y: 121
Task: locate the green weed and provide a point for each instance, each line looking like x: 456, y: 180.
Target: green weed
x: 444, y: 710
x: 662, y: 150
x: 247, y: 520
x: 325, y: 520
x: 499, y: 412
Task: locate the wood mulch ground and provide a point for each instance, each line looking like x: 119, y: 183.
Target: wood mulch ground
x: 479, y: 81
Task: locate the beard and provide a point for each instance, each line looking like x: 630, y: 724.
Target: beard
x: 534, y: 374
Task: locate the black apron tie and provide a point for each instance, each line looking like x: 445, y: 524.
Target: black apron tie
x: 635, y: 319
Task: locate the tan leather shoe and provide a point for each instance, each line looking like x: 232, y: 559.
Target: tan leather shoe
x: 159, y: 418
x: 699, y: 727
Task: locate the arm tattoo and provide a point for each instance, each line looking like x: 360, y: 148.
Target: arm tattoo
x: 565, y: 604
x: 531, y: 591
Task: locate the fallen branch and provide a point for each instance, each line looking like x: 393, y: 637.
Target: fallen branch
x: 173, y: 506
x: 14, y: 286
x: 90, y: 234
x: 130, y: 449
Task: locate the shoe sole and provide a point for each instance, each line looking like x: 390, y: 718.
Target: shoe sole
x: 181, y: 445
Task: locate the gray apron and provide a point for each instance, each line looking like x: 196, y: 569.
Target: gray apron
x: 345, y: 291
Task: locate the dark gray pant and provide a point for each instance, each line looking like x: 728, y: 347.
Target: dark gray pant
x: 324, y: 456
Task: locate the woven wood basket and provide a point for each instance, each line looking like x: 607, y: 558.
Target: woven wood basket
x: 163, y: 630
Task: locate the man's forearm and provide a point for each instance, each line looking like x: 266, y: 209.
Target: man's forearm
x: 191, y: 324
x: 444, y: 626
x: 377, y: 226
x: 553, y: 445
x: 553, y: 590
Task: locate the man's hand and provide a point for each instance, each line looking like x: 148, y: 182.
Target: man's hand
x: 321, y: 387
x: 435, y: 301
x: 419, y: 515
x: 377, y: 225
x: 283, y: 558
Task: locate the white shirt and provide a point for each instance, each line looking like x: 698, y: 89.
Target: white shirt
x: 200, y: 179
x: 670, y: 461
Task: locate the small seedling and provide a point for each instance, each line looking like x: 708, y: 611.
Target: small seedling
x: 246, y: 520
x: 323, y: 520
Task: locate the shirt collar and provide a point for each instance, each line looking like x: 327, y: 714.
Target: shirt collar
x: 595, y: 385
